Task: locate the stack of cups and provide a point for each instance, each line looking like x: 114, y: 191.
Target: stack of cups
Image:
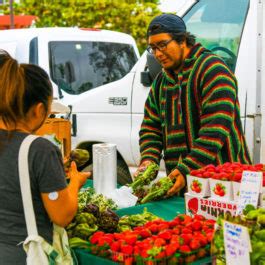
x: 104, y: 168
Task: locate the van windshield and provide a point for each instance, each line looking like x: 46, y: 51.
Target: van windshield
x: 218, y: 26
x: 77, y: 67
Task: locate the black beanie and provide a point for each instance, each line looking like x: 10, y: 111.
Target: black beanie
x: 166, y: 23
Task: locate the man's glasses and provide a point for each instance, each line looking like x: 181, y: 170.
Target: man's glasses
x: 162, y: 46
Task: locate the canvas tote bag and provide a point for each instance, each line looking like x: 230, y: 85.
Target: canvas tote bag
x: 39, y: 251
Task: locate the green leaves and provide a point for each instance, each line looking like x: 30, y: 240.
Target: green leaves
x: 131, y: 16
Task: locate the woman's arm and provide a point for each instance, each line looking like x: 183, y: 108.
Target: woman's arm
x: 62, y: 205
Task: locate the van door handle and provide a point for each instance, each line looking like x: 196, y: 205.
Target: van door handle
x: 74, y: 125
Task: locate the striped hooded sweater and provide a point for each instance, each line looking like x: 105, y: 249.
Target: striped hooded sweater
x: 192, y: 119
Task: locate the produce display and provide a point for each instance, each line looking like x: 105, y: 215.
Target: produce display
x: 182, y: 240
x: 145, y: 238
x: 254, y: 220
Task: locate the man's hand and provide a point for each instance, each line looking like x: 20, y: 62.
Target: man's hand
x: 179, y: 184
x: 142, y: 168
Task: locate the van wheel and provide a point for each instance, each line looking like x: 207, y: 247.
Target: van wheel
x: 123, y: 173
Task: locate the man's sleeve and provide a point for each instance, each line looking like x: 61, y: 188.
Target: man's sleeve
x: 151, y: 132
x: 219, y: 92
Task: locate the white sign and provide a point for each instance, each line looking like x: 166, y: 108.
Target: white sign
x: 250, y: 188
x: 237, y: 244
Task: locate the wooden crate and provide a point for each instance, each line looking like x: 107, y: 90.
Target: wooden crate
x: 62, y: 129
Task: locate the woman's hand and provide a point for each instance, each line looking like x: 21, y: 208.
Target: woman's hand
x: 74, y: 174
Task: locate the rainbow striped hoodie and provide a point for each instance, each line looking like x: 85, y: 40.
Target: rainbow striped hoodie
x: 193, y: 119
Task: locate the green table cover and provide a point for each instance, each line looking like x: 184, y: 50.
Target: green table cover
x: 166, y: 209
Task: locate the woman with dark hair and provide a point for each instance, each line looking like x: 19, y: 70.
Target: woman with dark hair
x: 25, y: 96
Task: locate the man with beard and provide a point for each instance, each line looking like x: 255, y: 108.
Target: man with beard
x: 191, y: 115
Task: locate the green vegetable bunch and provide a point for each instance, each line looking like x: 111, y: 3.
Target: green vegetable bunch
x: 89, y: 196
x: 158, y: 189
x: 145, y: 177
x: 83, y: 225
x: 128, y: 222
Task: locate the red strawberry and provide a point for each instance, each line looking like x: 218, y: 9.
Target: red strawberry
x: 153, y: 228
x: 115, y: 246
x: 197, y: 190
x: 201, y: 253
x: 186, y: 238
x: 196, y: 225
x: 127, y: 249
x: 144, y: 233
x: 193, y: 205
x: 185, y: 249
x: 130, y: 239
x: 128, y: 261
x: 170, y: 250
x: 195, y: 244
x: 161, y: 255
x: 159, y: 242
x: 95, y: 237
x: 165, y: 234
x: 222, y: 193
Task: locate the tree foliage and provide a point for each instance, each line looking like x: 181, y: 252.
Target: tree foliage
x: 130, y: 16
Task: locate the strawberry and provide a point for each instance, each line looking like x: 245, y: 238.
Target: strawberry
x: 153, y: 228
x: 170, y: 250
x: 186, y: 230
x: 193, y: 205
x: 126, y: 249
x: 115, y: 246
x: 130, y: 239
x: 160, y: 255
x: 195, y: 244
x: 95, y: 237
x: 222, y: 193
x: 201, y: 253
x: 186, y: 238
x: 128, y: 261
x: 184, y: 249
x: 144, y: 233
x: 165, y: 234
x: 159, y: 242
x: 190, y: 258
x: 196, y: 226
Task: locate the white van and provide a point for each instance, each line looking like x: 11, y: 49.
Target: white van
x: 86, y: 67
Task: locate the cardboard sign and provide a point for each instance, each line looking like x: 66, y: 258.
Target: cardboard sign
x: 208, y: 207
x: 250, y: 188
x: 237, y: 244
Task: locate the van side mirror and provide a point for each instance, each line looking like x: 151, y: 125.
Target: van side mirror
x: 146, y: 79
x: 151, y: 71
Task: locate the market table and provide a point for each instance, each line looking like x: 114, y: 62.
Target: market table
x: 166, y: 209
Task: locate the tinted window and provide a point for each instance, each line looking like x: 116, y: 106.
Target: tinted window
x: 80, y: 66
x: 33, y: 51
x: 218, y: 25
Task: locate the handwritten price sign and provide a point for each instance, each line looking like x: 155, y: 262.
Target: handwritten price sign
x: 237, y: 244
x: 250, y: 189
